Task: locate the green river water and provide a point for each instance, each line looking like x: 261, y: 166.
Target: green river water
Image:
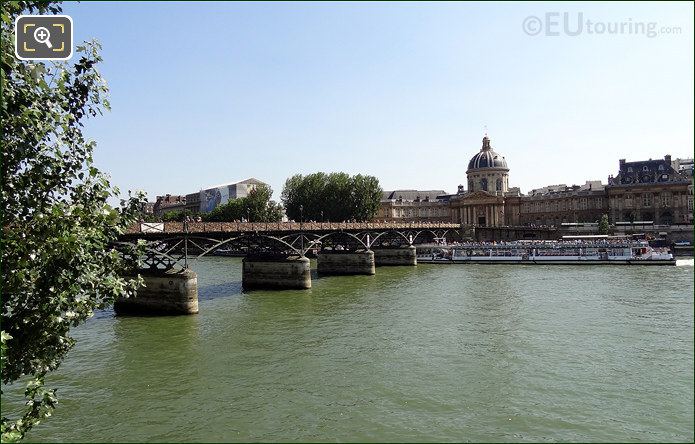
x: 426, y: 353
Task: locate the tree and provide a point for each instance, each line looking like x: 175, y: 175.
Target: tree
x: 260, y: 207
x: 176, y: 215
x: 603, y: 225
x: 331, y: 197
x: 366, y: 195
x: 56, y: 256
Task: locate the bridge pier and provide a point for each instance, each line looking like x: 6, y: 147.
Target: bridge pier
x: 395, y: 256
x: 170, y: 292
x: 276, y: 273
x: 346, y: 262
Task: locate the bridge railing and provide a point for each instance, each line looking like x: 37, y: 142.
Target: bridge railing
x: 217, y: 227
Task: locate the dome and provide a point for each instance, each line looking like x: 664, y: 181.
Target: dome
x: 487, y: 158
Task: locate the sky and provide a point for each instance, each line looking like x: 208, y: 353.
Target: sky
x: 208, y: 93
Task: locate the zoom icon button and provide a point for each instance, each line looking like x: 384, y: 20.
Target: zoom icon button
x: 43, y: 37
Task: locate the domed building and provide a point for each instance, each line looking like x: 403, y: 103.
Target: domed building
x: 486, y: 201
x: 488, y: 171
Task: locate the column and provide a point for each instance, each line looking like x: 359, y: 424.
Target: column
x: 395, y: 256
x: 170, y: 292
x: 345, y: 262
x: 275, y: 273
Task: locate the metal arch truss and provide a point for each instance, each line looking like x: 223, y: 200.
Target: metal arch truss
x: 176, y: 251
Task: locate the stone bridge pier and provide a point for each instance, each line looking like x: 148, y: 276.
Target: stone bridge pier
x: 395, y: 256
x: 292, y: 272
x: 170, y: 292
x: 334, y: 263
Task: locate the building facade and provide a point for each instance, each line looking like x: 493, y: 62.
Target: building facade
x: 489, y: 201
x: 208, y: 199
x: 652, y: 190
x: 553, y: 207
x: 168, y: 203
x: 413, y: 205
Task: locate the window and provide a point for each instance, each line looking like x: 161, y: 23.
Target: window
x: 647, y: 200
x: 582, y: 203
x: 661, y: 168
x: 483, y: 184
x: 628, y: 201
x: 498, y: 187
x: 666, y: 199
x: 629, y: 169
x: 645, y: 168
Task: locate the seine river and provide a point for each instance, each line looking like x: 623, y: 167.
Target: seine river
x: 428, y: 353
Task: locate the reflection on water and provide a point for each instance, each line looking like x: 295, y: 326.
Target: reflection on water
x: 444, y: 353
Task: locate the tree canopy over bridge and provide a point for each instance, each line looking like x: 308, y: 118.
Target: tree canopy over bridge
x: 333, y: 197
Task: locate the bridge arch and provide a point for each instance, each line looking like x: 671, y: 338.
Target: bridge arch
x: 344, y: 239
x: 385, y: 236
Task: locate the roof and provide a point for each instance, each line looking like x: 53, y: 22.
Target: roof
x: 412, y: 195
x: 250, y: 180
x: 647, y: 172
x: 487, y: 158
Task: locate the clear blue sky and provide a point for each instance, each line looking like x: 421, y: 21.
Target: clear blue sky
x: 206, y: 93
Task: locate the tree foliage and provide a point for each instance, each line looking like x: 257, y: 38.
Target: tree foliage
x: 603, y: 225
x: 57, y: 227
x: 333, y: 197
x: 176, y: 215
x: 256, y: 207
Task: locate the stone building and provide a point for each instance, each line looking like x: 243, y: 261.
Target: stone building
x: 167, y: 203
x: 489, y: 201
x: 193, y: 202
x: 655, y: 190
x: 413, y: 205
x: 650, y: 190
x: 555, y: 205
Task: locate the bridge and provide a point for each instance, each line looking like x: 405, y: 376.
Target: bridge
x: 170, y: 244
x: 275, y: 254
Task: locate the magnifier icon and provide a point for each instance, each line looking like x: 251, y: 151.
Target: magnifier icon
x: 42, y: 35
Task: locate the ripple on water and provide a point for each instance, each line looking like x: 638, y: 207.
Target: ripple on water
x: 428, y: 353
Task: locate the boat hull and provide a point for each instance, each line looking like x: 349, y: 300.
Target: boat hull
x: 543, y: 261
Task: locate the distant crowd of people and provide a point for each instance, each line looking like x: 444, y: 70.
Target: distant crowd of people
x: 598, y: 243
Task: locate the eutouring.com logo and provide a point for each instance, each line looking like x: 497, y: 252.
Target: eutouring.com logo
x: 554, y: 24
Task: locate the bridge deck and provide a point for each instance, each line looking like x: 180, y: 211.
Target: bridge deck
x: 154, y: 228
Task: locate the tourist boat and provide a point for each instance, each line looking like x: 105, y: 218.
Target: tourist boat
x: 546, y: 252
